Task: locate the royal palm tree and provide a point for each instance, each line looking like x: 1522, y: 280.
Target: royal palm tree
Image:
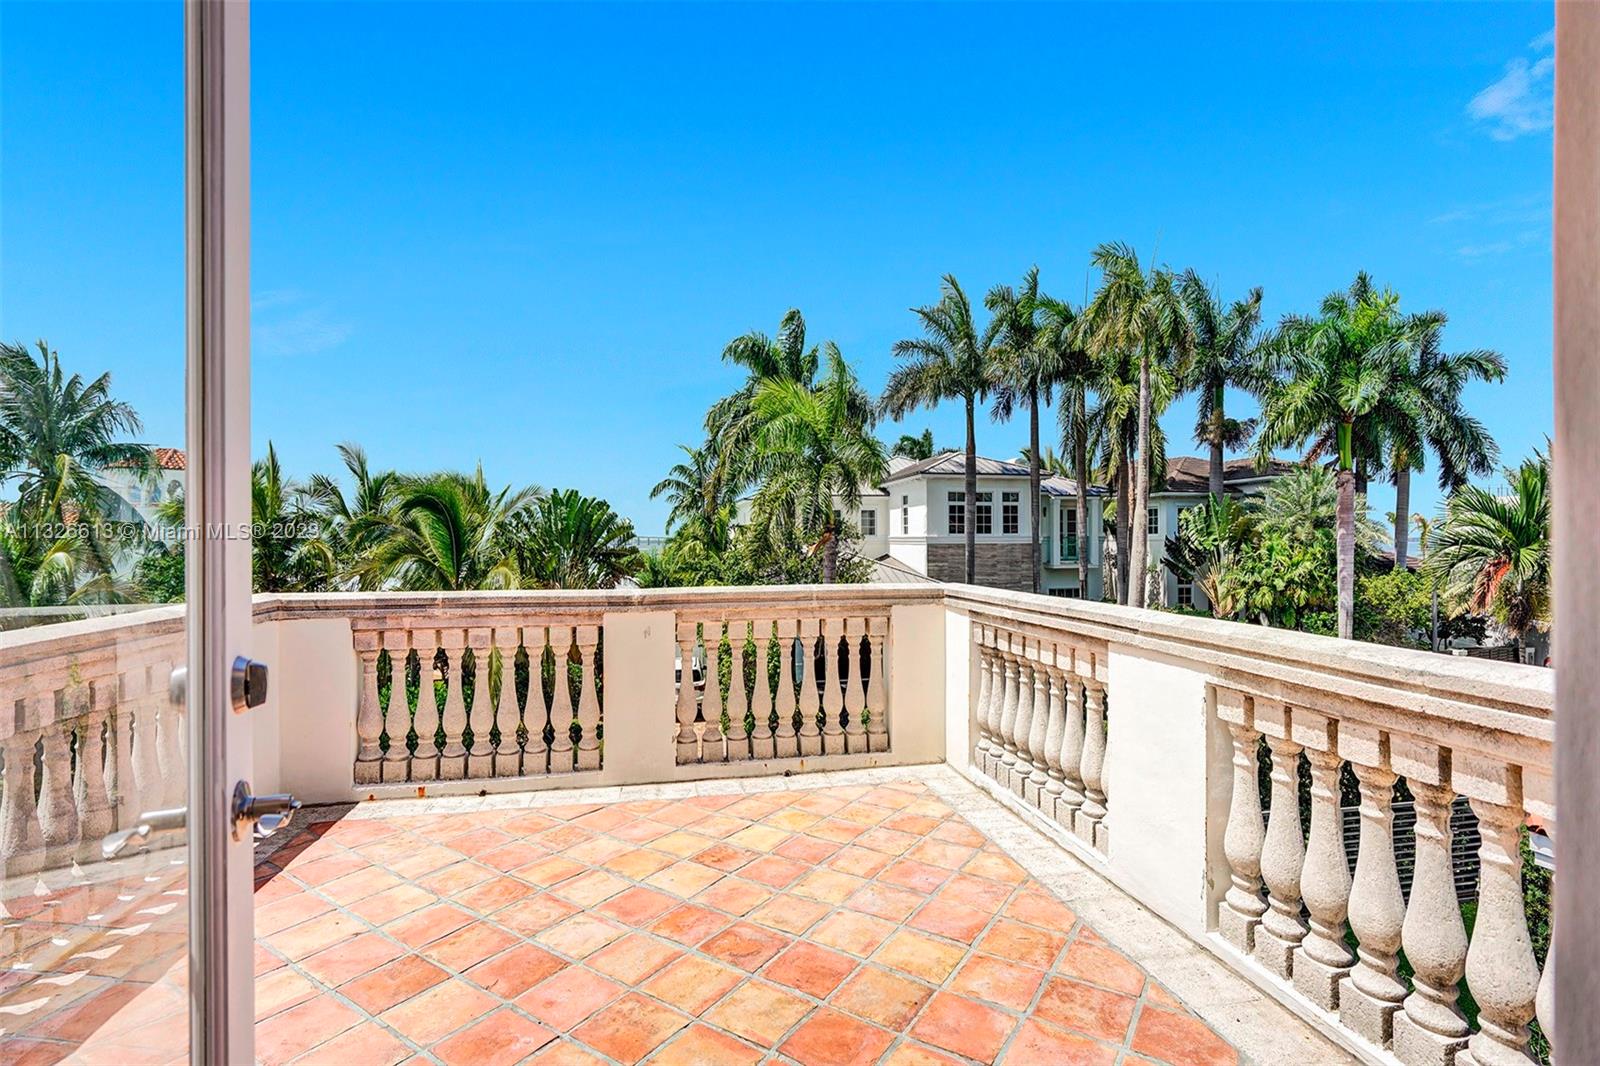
x: 952, y: 360
x: 1073, y: 373
x: 1137, y: 311
x: 451, y: 532
x: 1492, y: 552
x: 1323, y: 377
x: 1112, y: 428
x: 813, y: 453
x: 1425, y: 414
x: 1025, y: 374
x: 1222, y: 345
x: 570, y: 541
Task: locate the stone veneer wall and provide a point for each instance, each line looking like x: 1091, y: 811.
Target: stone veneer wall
x: 1002, y: 566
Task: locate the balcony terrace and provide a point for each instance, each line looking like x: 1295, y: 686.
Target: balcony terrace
x: 906, y: 824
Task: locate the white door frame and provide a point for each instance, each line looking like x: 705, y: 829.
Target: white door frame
x: 217, y: 185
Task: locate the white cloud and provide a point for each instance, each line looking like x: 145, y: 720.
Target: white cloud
x: 1522, y: 101
x: 283, y: 322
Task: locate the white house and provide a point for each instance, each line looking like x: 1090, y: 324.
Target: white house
x: 144, y: 491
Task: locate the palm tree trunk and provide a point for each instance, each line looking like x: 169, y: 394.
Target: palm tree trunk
x: 971, y: 487
x: 830, y: 557
x: 1217, y: 420
x: 1402, y: 523
x: 1141, y: 490
x: 1033, y: 488
x: 1080, y: 471
x: 1345, y: 480
x: 1124, y: 525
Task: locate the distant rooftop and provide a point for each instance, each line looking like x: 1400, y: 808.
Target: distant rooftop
x: 164, y: 458
x: 1192, y: 473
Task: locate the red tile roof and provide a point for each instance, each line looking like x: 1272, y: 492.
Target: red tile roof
x: 165, y: 459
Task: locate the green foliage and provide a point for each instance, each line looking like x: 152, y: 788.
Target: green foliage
x: 570, y: 541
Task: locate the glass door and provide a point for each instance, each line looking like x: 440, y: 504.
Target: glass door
x: 124, y: 551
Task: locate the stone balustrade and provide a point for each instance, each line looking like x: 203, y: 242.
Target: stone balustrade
x: 1240, y: 782
x: 1041, y: 719
x: 796, y: 686
x: 88, y: 736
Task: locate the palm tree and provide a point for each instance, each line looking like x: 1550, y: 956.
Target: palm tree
x: 1323, y: 377
x: 351, y: 524
x: 1136, y: 311
x: 952, y: 360
x: 451, y: 532
x: 1025, y: 373
x: 1222, y: 354
x: 1073, y: 372
x: 694, y: 488
x: 57, y: 434
x: 570, y: 541
x: 1112, y: 428
x: 812, y: 450
x: 917, y: 446
x: 1426, y: 414
x: 283, y: 550
x: 1492, y: 552
x: 1306, y: 500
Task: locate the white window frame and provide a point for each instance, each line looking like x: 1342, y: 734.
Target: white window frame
x: 1010, y: 513
x: 955, y: 521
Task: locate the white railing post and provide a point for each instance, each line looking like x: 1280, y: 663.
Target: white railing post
x: 453, y: 757
x: 877, y: 686
x: 761, y: 738
x: 1090, y: 820
x: 786, y: 741
x: 562, y: 712
x: 738, y: 699
x: 588, y: 638
x: 855, y: 692
x: 1038, y: 729
x: 1323, y: 959
x: 397, y: 719
x: 1283, y: 850
x: 688, y: 745
x: 810, y: 738
x: 369, y: 711
x: 1369, y: 997
x: 479, y: 761
x: 1071, y: 756
x: 1240, y: 915
x: 833, y: 692
x: 506, y: 757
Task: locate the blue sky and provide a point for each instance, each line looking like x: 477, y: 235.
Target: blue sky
x: 523, y: 233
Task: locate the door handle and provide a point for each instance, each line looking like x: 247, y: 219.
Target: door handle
x: 264, y: 814
x: 149, y: 822
x: 247, y: 684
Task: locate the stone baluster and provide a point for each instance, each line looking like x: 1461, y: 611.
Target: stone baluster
x: 588, y: 700
x: 174, y: 774
x: 479, y: 715
x: 1323, y: 958
x: 999, y: 644
x: 855, y: 693
x: 1429, y: 1028
x: 761, y: 738
x: 506, y: 758
x: 397, y: 717
x: 1023, y: 722
x: 428, y: 717
x: 58, y: 814
x: 1090, y: 820
x: 1071, y: 754
x: 1242, y: 907
x: 982, y: 636
x: 1283, y: 849
x: 688, y: 744
x: 1056, y: 662
x: 877, y: 690
x: 21, y: 835
x: 96, y: 810
x: 810, y: 738
x: 119, y: 764
x: 786, y: 742
x: 738, y: 698
x: 1038, y: 729
x: 537, y: 758
x: 562, y: 711
x: 1369, y: 997
x: 712, y: 747
x: 833, y: 690
x: 453, y: 757
x: 147, y: 786
x: 1005, y: 765
x: 1502, y: 973
x: 369, y: 711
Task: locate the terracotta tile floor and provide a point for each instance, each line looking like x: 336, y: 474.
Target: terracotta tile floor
x: 830, y: 925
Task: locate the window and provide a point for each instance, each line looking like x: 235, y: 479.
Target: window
x: 1069, y: 534
x: 958, y: 512
x: 1152, y: 521
x: 1066, y: 594
x: 905, y: 515
x: 1074, y: 594
x: 869, y: 522
x: 1010, y: 510
x: 985, y: 512
x: 1185, y: 594
x: 1057, y: 592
